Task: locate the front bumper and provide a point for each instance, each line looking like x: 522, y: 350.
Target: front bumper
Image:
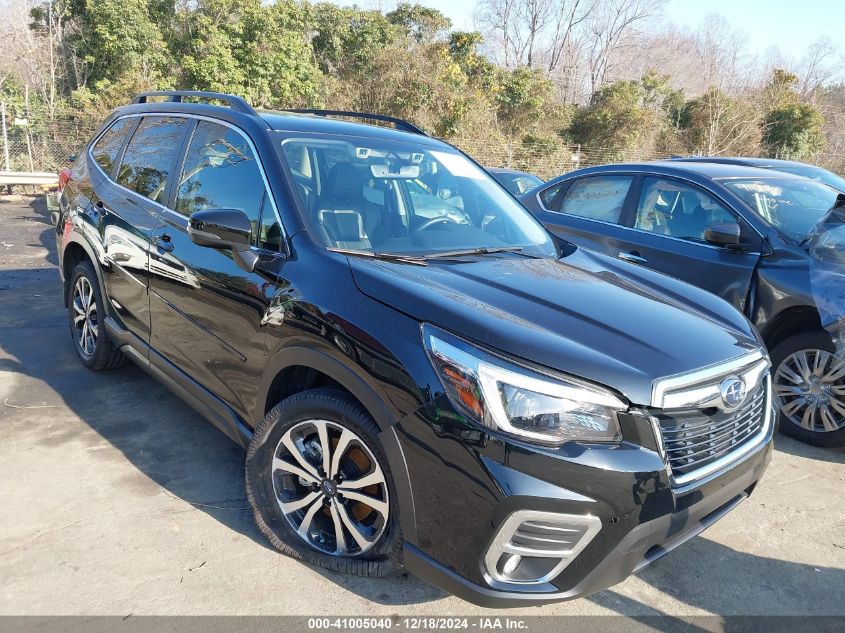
x: 643, y: 516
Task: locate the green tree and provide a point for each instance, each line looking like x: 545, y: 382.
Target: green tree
x: 616, y: 119
x: 781, y: 89
x: 347, y: 39
x: 521, y: 98
x: 794, y: 131
x: 463, y: 51
x: 119, y: 40
x: 791, y: 129
x: 422, y: 24
x: 256, y: 50
x: 718, y: 123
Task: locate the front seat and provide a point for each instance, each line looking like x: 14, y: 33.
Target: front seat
x: 342, y: 212
x: 690, y: 220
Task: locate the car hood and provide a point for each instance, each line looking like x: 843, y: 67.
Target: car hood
x: 586, y: 315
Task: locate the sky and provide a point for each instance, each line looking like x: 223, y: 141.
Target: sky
x: 788, y: 24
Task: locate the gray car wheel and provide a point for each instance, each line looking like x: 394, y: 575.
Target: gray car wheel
x: 320, y: 485
x: 808, y: 378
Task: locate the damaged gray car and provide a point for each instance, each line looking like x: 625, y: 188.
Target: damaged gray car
x: 770, y: 243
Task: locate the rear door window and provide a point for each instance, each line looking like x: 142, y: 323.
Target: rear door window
x: 597, y: 197
x: 151, y: 156
x: 106, y: 149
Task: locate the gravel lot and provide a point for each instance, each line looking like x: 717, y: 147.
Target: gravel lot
x: 115, y: 498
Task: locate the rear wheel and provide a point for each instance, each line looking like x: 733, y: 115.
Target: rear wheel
x: 809, y: 387
x: 85, y: 317
x: 320, y: 487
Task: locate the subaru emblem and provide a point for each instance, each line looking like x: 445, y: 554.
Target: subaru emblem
x: 732, y: 390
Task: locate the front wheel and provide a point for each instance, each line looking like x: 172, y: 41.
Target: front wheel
x: 320, y: 487
x: 808, y: 379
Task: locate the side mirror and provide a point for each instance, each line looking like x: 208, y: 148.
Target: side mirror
x: 72, y: 158
x: 228, y: 229
x: 723, y: 234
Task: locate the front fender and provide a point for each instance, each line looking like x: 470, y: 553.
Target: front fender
x: 374, y: 400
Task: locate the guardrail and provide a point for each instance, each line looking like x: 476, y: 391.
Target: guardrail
x: 36, y: 178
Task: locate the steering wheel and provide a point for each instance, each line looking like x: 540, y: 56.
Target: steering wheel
x: 432, y: 221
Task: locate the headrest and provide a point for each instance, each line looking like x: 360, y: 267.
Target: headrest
x: 344, y: 184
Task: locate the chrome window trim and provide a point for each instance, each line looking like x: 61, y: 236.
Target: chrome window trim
x: 199, y: 117
x: 540, y: 201
x: 734, y: 456
x: 676, y: 382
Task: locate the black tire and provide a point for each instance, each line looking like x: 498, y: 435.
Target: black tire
x: 384, y: 558
x: 103, y: 354
x: 782, y: 351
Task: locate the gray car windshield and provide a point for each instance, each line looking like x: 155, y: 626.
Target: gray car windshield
x: 791, y: 205
x: 385, y: 197
x: 815, y: 173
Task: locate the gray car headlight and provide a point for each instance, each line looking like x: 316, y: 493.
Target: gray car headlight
x: 504, y: 396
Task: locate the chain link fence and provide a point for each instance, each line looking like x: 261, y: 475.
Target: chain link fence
x: 46, y: 147
x: 28, y: 146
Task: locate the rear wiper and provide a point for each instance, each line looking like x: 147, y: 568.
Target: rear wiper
x: 483, y: 250
x: 391, y: 257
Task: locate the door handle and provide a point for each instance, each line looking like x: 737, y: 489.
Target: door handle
x: 634, y: 257
x: 164, y: 243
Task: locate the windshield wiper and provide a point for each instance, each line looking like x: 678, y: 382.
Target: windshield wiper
x: 483, y: 250
x: 391, y: 257
x: 422, y: 260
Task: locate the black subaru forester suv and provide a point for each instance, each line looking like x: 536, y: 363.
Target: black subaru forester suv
x: 423, y: 377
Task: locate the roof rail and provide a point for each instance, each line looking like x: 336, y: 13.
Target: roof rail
x: 401, y: 124
x: 175, y: 96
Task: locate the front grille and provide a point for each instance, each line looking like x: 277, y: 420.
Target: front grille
x: 694, y: 439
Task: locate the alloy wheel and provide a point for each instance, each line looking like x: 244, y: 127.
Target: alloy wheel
x: 85, y: 316
x: 330, y: 488
x: 810, y: 388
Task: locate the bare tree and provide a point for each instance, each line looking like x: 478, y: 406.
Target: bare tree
x: 820, y: 66
x: 532, y: 33
x: 497, y: 19
x: 535, y: 15
x: 29, y: 50
x: 721, y: 54
x: 609, y: 25
x: 567, y: 37
x: 722, y: 125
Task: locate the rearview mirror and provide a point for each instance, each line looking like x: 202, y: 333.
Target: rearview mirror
x: 225, y: 229
x: 404, y: 172
x: 723, y: 234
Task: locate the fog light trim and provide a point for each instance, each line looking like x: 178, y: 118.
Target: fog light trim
x: 558, y: 536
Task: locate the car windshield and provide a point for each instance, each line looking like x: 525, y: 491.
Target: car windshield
x: 791, y: 205
x: 517, y: 184
x: 815, y: 173
x: 378, y: 196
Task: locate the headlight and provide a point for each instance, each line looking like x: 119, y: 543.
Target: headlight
x: 516, y: 400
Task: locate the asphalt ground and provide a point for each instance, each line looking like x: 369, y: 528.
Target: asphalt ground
x: 118, y: 499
